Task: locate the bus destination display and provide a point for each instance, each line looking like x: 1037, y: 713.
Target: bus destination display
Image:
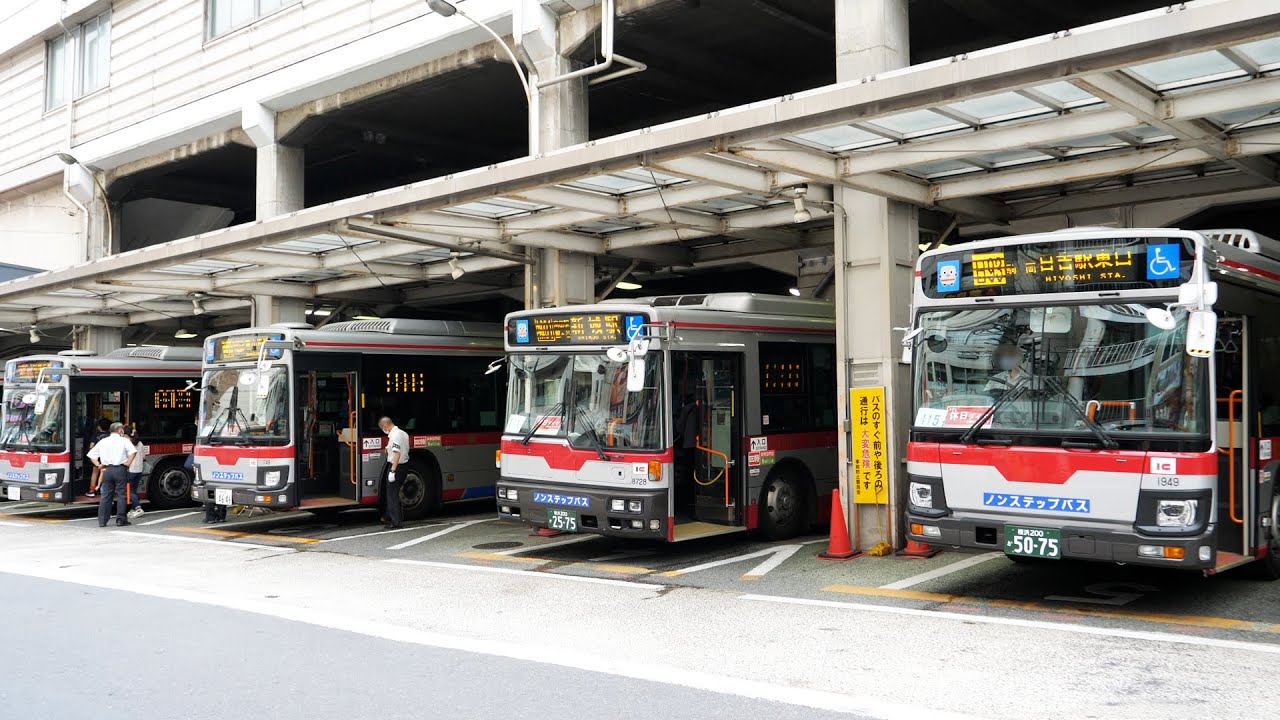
x: 29, y: 370
x: 576, y: 329
x: 240, y: 347
x: 171, y: 399
x: 1052, y: 267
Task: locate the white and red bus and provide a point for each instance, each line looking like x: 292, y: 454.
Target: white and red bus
x: 671, y: 417
x: 288, y: 414
x: 52, y: 404
x: 1099, y: 394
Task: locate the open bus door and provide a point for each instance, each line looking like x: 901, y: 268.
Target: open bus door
x: 715, y: 473
x: 1237, y: 437
x: 325, y: 399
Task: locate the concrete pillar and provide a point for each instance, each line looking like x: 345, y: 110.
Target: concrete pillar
x: 875, y: 250
x: 560, y: 112
x: 100, y: 340
x: 269, y: 309
x: 279, y: 179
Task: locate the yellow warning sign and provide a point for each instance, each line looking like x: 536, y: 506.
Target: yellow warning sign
x: 870, y: 476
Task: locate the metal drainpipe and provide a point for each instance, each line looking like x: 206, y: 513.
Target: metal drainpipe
x: 69, y: 68
x: 606, y: 51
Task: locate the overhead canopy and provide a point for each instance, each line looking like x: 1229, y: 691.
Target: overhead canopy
x: 1167, y: 104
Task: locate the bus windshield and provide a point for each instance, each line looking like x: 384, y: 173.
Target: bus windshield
x: 1099, y: 370
x: 242, y: 406
x: 33, y: 425
x: 584, y: 398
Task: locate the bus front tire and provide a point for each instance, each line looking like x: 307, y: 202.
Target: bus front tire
x: 1269, y: 567
x: 169, y: 487
x: 782, y: 506
x: 420, y: 491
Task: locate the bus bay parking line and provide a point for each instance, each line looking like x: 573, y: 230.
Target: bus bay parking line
x: 380, y: 532
x: 236, y: 534
x: 438, y: 533
x: 10, y: 523
x: 1202, y: 621
x: 605, y: 567
x: 544, y: 546
x: 527, y: 573
x: 943, y: 571
x: 1273, y: 649
x: 171, y: 517
x: 203, y: 541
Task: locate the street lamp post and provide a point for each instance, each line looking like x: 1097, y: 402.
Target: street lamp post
x: 531, y: 92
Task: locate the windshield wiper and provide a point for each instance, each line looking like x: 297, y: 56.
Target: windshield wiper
x: 555, y: 410
x: 1106, y: 440
x: 1014, y: 393
x: 594, y: 437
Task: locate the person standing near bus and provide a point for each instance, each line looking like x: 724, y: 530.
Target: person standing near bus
x: 397, y: 451
x: 102, y: 431
x: 113, y: 454
x: 135, y: 475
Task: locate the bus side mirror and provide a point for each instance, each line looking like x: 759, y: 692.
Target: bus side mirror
x: 495, y: 366
x: 1202, y: 333
x: 41, y: 401
x: 635, y: 374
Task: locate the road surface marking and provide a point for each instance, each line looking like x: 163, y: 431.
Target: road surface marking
x: 10, y: 523
x: 527, y: 573
x: 1273, y: 649
x: 171, y: 517
x: 204, y: 541
x: 624, y: 569
x: 780, y: 556
x: 776, y: 556
x: 1163, y: 618
x: 623, y: 555
x: 25, y: 515
x: 380, y: 532
x: 479, y: 555
x: 936, y: 573
x: 543, y: 652
x: 544, y: 546
x: 438, y: 533
x: 236, y: 534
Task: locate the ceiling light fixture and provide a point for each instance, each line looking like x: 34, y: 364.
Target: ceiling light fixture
x: 454, y: 269
x: 628, y: 285
x: 795, y: 291
x: 34, y: 337
x: 802, y: 214
x: 442, y: 8
x: 184, y: 334
x: 196, y: 307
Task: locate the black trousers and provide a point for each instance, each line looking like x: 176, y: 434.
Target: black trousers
x: 115, y: 480
x: 391, y: 497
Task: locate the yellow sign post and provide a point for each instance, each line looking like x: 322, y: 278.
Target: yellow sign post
x: 867, y: 450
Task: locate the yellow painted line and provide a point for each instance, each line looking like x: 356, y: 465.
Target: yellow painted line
x: 1205, y: 621
x: 476, y: 555
x: 629, y: 569
x: 236, y: 534
x: 30, y: 518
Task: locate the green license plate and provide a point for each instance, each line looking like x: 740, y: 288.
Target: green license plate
x: 566, y: 520
x: 1033, y: 542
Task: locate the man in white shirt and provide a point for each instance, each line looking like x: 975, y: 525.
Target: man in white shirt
x: 113, y: 454
x: 397, y: 455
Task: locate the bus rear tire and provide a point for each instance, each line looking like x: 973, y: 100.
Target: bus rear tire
x: 420, y: 491
x: 1268, y: 568
x: 169, y: 487
x: 782, y: 506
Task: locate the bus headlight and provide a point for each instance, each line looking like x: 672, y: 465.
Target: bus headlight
x: 617, y: 505
x: 51, y: 478
x: 1176, y: 513
x: 922, y: 495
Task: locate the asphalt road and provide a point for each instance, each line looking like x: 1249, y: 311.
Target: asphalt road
x: 87, y: 652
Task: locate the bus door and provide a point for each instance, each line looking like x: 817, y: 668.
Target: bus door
x: 712, y: 382
x: 92, y: 402
x: 1234, y: 432
x: 324, y: 401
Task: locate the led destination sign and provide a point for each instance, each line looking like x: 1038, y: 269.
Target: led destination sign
x: 240, y: 347
x: 575, y: 329
x: 1052, y: 267
x: 29, y: 370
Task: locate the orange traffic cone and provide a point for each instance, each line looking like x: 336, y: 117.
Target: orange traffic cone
x: 917, y: 549
x: 838, y: 548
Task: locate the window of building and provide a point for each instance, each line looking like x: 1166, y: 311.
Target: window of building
x: 94, y: 55
x: 92, y: 71
x: 227, y: 15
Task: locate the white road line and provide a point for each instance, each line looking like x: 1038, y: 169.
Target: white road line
x: 527, y: 573
x: 728, y: 561
x: 15, y: 506
x: 9, y: 523
x: 545, y: 653
x: 171, y: 517
x: 379, y: 532
x: 936, y: 573
x: 543, y: 546
x: 200, y: 541
x: 1035, y: 624
x: 438, y: 533
x: 780, y: 556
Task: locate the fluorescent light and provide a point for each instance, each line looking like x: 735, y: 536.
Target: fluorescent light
x: 365, y: 317
x: 322, y: 313
x: 184, y: 334
x: 628, y: 285
x: 795, y: 291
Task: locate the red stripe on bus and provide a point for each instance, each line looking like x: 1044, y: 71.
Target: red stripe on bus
x: 405, y: 346
x: 560, y: 456
x: 452, y: 494
x: 169, y: 448
x: 753, y: 328
x: 1055, y: 466
x: 1250, y: 268
x: 20, y: 458
x: 229, y: 454
x: 419, y: 441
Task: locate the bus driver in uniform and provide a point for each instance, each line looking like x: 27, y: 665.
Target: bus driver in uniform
x: 397, y: 452
x: 114, y: 453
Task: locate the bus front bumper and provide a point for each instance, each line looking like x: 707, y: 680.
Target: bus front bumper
x: 59, y: 492
x: 231, y: 494
x: 1077, y: 543
x: 585, y: 510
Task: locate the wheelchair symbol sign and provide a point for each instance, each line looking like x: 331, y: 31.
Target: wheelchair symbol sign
x: 1163, y: 261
